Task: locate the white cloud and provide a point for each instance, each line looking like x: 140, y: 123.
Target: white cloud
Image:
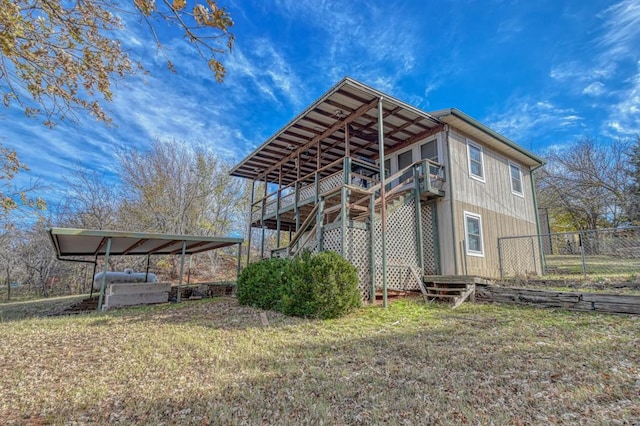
x: 622, y: 29
x: 594, y: 89
x: 604, y: 75
x: 625, y: 115
x: 524, y: 119
x: 351, y: 31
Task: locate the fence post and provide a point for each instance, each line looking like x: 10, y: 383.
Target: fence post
x: 500, y: 258
x: 584, y: 263
x: 533, y: 253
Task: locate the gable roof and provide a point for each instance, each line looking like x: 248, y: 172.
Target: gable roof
x: 458, y: 119
x: 354, y: 105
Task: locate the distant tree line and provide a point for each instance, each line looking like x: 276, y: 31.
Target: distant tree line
x: 589, y: 185
x: 172, y: 187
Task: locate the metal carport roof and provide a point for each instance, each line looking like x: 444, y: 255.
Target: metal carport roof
x: 89, y: 242
x: 73, y: 243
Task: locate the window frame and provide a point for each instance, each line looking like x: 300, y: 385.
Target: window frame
x: 435, y: 144
x: 408, y: 173
x: 479, y: 178
x: 469, y: 252
x: 513, y: 190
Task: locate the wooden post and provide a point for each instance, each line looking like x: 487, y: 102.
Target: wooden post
x: 347, y: 147
x: 344, y: 197
x: 383, y: 212
x: 264, y: 205
x: 320, y: 225
x: 416, y: 192
x: 278, y: 198
x: 372, y: 247
x: 253, y: 189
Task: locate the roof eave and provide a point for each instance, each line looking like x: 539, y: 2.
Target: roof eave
x: 475, y: 123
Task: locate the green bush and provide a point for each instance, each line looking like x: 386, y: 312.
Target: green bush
x: 260, y: 283
x: 321, y: 286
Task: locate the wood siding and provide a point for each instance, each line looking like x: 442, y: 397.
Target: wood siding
x: 503, y: 213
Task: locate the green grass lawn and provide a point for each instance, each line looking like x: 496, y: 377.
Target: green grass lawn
x: 596, y: 266
x: 214, y: 362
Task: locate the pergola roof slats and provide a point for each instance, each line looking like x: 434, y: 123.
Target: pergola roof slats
x: 347, y: 103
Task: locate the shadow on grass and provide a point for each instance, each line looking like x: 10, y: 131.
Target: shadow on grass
x: 36, y: 308
x: 411, y: 364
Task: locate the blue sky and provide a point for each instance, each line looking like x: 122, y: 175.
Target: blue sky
x: 542, y: 73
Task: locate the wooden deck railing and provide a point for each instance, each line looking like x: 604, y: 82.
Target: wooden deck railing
x: 359, y: 174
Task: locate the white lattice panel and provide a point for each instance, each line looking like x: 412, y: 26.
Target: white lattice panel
x: 428, y: 242
x: 287, y: 200
x: 332, y: 240
x: 358, y: 252
x: 401, y: 245
x: 307, y: 192
x: 270, y: 208
x: 331, y: 182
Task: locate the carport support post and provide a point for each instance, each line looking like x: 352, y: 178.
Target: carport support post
x: 95, y: 266
x: 239, y: 261
x: 104, y: 275
x: 184, y: 249
x: 146, y: 272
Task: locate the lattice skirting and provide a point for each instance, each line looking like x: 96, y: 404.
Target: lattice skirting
x: 401, y: 246
x: 429, y: 242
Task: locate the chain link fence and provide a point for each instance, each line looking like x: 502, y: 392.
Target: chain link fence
x: 595, y: 253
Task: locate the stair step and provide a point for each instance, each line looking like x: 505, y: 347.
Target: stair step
x: 447, y: 290
x: 444, y: 296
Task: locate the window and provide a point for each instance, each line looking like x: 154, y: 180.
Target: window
x: 476, y: 164
x: 429, y: 151
x: 516, y: 179
x: 473, y: 231
x: 404, y: 160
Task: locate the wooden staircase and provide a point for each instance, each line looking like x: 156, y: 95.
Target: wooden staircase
x: 452, y: 288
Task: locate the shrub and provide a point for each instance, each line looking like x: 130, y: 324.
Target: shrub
x: 260, y: 283
x: 321, y: 286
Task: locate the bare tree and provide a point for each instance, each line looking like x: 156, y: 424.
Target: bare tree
x: 584, y: 184
x: 91, y: 201
x: 175, y: 188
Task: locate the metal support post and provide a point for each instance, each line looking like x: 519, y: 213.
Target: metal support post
x: 104, y: 275
x: 239, y: 261
x: 584, y: 261
x: 95, y: 266
x: 184, y: 249
x: 189, y: 271
x: 146, y: 271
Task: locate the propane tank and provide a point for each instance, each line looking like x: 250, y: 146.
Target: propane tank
x: 127, y: 276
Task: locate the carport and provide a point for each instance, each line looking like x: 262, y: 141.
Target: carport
x: 71, y: 244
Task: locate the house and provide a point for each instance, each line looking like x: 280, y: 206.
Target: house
x: 446, y: 189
